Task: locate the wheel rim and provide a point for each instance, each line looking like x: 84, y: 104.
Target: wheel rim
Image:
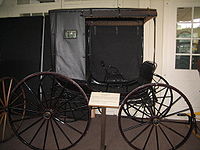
x: 56, y: 112
x: 159, y: 79
x: 152, y: 125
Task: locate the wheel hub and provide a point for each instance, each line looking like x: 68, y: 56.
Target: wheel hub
x: 47, y: 114
x: 5, y: 109
x: 155, y: 120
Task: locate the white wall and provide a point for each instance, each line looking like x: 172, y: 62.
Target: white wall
x: 187, y: 81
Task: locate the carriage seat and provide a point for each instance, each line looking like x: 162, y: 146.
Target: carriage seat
x: 147, y: 70
x: 115, y: 82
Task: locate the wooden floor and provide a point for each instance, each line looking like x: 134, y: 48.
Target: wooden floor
x: 91, y: 141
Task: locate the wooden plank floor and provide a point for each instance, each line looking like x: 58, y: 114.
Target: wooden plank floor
x: 91, y: 141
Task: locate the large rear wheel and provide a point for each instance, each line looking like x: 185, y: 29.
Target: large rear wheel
x: 57, y: 115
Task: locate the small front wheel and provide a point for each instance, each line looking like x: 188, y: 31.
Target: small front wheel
x: 153, y: 121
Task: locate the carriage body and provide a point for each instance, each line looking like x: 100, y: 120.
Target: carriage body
x: 106, y: 50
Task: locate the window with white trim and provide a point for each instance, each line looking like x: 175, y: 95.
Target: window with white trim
x: 187, y: 38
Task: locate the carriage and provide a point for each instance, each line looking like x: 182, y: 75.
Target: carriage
x: 98, y: 50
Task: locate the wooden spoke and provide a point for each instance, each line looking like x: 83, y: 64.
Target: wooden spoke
x: 2, y: 102
x: 9, y: 90
x: 2, y: 117
x: 4, y: 92
x: 16, y: 98
x: 4, y: 127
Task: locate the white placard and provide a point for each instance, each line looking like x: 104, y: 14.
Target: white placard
x: 104, y: 99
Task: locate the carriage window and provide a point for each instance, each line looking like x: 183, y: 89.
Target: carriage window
x: 187, y: 37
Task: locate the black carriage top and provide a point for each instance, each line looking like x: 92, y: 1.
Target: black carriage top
x: 105, y: 45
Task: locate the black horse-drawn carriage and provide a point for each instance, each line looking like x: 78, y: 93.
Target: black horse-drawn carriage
x: 98, y: 50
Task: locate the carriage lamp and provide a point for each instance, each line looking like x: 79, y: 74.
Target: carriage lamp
x: 70, y: 34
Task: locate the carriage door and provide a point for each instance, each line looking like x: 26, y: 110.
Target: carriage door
x: 182, y: 48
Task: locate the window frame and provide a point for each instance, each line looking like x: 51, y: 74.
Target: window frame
x: 191, y: 38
